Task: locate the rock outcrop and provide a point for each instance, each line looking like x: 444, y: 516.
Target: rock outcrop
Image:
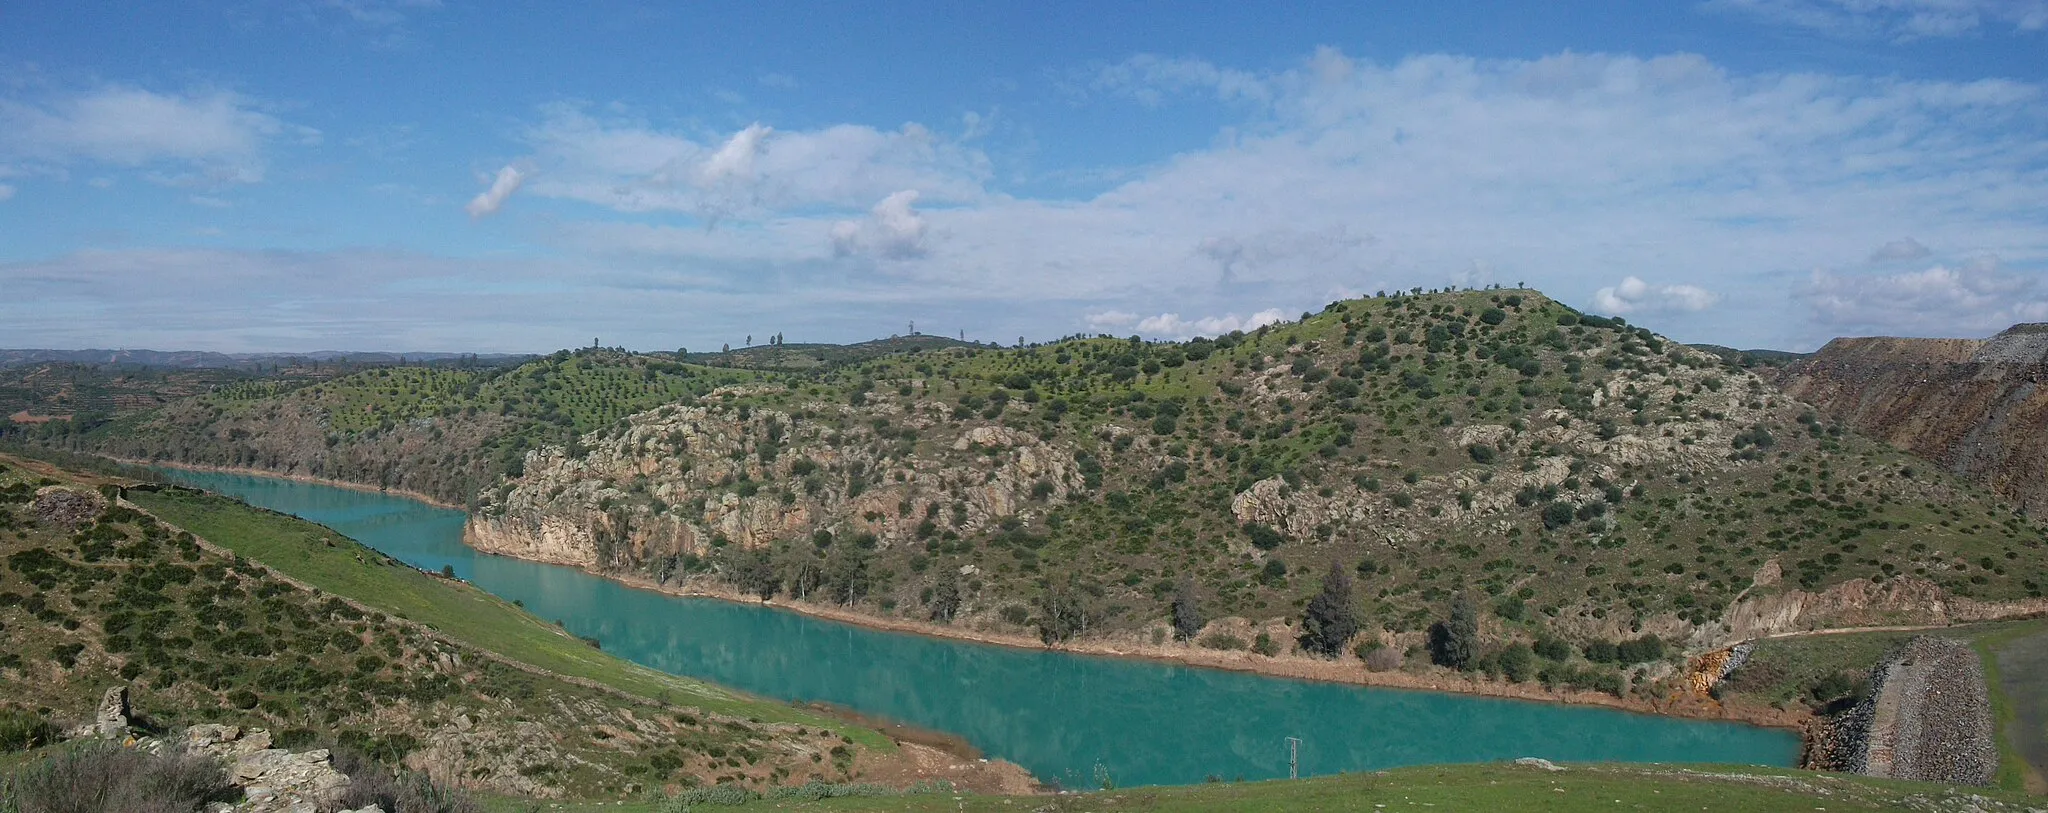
x: 682, y: 480
x: 273, y: 780
x: 1974, y: 407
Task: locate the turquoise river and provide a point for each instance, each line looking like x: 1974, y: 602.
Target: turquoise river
x: 1067, y: 718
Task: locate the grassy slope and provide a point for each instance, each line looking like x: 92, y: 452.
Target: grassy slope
x: 2008, y: 697
x: 1454, y: 787
x: 201, y: 637
x: 299, y: 549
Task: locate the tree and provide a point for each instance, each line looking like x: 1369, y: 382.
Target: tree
x: 946, y: 598
x: 753, y: 572
x: 1517, y: 662
x: 846, y: 573
x: 1454, y: 642
x: 1187, y: 611
x: 1062, y: 612
x: 1330, y: 622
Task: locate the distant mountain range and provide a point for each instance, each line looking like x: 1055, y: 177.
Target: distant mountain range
x: 202, y: 359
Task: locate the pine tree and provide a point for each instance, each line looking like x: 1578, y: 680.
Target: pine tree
x: 1330, y: 622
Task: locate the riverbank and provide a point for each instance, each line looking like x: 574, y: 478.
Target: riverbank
x: 1348, y: 671
x: 1134, y: 646
x: 296, y: 478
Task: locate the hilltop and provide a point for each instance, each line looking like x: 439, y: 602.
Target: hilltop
x: 785, y: 357
x: 1975, y: 407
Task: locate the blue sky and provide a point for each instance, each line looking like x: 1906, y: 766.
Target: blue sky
x: 522, y: 176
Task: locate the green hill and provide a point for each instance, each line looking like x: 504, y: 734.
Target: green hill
x: 216, y: 612
x: 1582, y: 482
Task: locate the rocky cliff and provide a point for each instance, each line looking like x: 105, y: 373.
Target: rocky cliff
x: 1977, y: 408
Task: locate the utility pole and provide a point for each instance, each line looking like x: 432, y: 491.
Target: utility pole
x: 1293, y: 757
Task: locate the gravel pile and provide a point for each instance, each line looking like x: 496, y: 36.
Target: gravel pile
x: 1928, y: 717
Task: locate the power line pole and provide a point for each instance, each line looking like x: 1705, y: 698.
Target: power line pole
x: 1293, y: 757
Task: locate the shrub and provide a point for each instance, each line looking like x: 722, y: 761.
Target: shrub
x: 1557, y: 515
x: 1482, y: 453
x: 1640, y: 650
x: 1553, y: 648
x: 1265, y: 645
x: 727, y: 795
x: 1263, y: 536
x: 1221, y: 640
x: 21, y: 731
x: 1383, y: 659
x: 816, y: 790
x: 103, y: 776
x: 1516, y: 661
x: 404, y: 792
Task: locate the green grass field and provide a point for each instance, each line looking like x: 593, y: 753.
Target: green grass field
x: 1448, y: 787
x: 333, y: 563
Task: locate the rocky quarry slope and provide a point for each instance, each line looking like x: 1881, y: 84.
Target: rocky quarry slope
x: 1975, y: 407
x: 1574, y: 474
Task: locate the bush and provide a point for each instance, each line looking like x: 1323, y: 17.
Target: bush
x: 1640, y: 650
x: 1265, y: 645
x: 404, y: 792
x: 1221, y: 640
x: 1517, y: 662
x: 1482, y: 453
x: 1379, y: 658
x: 106, y: 777
x: 21, y: 731
x: 727, y: 795
x: 1263, y: 536
x: 1552, y: 648
x: 816, y: 790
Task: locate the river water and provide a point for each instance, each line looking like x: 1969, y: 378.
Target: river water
x: 1066, y: 718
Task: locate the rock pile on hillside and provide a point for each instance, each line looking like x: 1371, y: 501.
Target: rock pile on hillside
x: 1927, y: 718
x: 67, y: 508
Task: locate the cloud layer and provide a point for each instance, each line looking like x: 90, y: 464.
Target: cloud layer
x: 1897, y: 20
x: 219, y: 135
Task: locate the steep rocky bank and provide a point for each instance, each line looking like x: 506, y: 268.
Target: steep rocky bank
x: 1974, y: 407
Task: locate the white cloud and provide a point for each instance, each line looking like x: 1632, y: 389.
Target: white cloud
x: 779, y: 81
x: 1102, y: 320
x: 1896, y: 20
x: 219, y: 135
x: 1634, y: 295
x: 1900, y: 251
x: 734, y: 162
x: 752, y: 174
x: 1567, y: 172
x: 1172, y: 326
x: 489, y: 201
x: 1969, y: 299
x: 892, y: 230
x: 6, y: 191
x: 1151, y: 78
